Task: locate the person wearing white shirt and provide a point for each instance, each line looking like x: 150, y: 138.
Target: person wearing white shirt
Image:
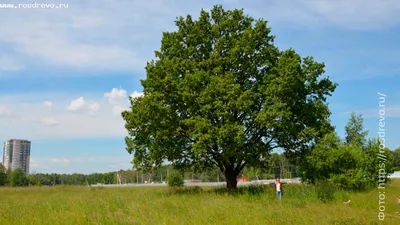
x: 278, y: 188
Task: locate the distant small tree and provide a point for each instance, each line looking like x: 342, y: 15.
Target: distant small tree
x: 396, y: 159
x: 18, y: 178
x: 175, y: 179
x: 3, y: 175
x: 355, y: 133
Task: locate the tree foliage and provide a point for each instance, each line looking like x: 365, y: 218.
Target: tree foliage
x: 3, y: 175
x: 355, y: 133
x: 396, y: 159
x: 18, y: 178
x: 219, y: 93
x: 348, y: 164
x: 175, y: 179
x: 72, y: 179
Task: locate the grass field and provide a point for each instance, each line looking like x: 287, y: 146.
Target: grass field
x: 160, y: 205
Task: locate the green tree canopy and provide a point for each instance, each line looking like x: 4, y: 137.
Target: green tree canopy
x: 352, y: 164
x: 220, y: 93
x: 3, y: 175
x: 355, y: 133
x: 396, y: 159
x: 18, y: 178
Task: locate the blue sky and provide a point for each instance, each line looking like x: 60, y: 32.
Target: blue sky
x: 66, y: 74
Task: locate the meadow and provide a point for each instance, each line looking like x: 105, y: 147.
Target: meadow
x: 163, y: 205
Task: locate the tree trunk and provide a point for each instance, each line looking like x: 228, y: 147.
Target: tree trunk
x: 231, y: 179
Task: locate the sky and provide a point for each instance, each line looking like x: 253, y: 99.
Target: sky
x: 67, y: 73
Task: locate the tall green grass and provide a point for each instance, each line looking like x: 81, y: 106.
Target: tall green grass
x: 162, y: 205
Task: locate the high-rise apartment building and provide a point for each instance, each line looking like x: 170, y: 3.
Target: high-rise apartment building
x: 16, y: 155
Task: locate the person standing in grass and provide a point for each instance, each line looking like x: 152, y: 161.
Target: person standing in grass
x: 278, y: 188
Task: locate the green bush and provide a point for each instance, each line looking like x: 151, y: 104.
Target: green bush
x: 175, y: 179
x: 18, y: 178
x: 351, y: 180
x: 325, y: 191
x: 3, y: 175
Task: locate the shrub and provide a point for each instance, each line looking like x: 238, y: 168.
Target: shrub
x: 18, y: 178
x: 325, y: 191
x: 351, y: 180
x: 3, y: 175
x: 175, y: 179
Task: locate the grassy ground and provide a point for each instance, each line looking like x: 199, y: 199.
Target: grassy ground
x: 159, y: 205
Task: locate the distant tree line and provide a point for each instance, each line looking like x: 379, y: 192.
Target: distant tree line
x: 17, y: 178
x: 278, y: 165
x: 352, y: 164
x: 14, y: 178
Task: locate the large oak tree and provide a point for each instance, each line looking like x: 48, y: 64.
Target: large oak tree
x: 219, y: 93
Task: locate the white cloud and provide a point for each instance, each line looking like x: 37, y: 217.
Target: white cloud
x: 98, y: 35
x: 117, y: 110
x: 355, y: 14
x: 122, y: 35
x: 5, y: 111
x: 76, y: 104
x: 40, y: 123
x: 50, y: 122
x: 48, y: 104
x: 136, y: 94
x: 93, y: 108
x: 116, y: 96
x: 80, y: 103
